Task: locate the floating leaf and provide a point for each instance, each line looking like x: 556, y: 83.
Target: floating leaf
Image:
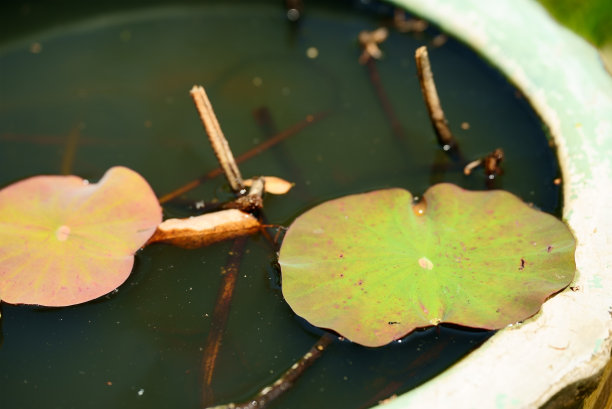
x: 374, y: 267
x: 273, y: 185
x: 206, y: 229
x: 64, y: 241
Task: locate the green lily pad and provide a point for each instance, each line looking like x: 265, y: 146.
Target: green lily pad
x: 64, y: 241
x: 373, y: 267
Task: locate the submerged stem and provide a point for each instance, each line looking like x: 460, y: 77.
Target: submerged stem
x: 383, y: 98
x: 287, y: 379
x: 219, y: 318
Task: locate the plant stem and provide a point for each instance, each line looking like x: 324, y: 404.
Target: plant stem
x: 286, y: 380
x: 292, y: 130
x: 491, y: 164
x: 217, y: 139
x: 219, y: 318
x: 384, y: 100
x: 432, y: 100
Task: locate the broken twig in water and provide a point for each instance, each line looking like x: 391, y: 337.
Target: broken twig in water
x: 251, y: 203
x: 217, y: 139
x: 281, y: 136
x: 432, y: 100
x: 271, y: 392
x: 491, y: 164
x: 467, y: 170
x: 369, y: 41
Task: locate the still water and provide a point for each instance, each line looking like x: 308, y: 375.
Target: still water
x: 89, y: 87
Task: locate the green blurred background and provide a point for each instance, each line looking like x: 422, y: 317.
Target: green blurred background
x: 592, y: 19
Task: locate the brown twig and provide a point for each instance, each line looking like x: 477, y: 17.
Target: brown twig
x: 247, y: 155
x: 491, y: 163
x: 467, y: 170
x: 219, y: 318
x: 271, y: 392
x: 190, y: 185
x: 217, y: 139
x: 369, y: 41
x: 432, y: 100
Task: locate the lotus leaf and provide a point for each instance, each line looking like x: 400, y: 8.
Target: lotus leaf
x: 64, y: 241
x: 375, y: 266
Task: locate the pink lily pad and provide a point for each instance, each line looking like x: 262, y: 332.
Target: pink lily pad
x: 64, y: 241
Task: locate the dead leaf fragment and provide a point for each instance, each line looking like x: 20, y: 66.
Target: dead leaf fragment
x: 369, y: 41
x: 206, y: 229
x: 273, y: 185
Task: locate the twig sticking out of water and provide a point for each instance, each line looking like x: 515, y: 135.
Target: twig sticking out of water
x: 490, y: 162
x: 432, y: 100
x: 287, y: 379
x: 467, y: 170
x: 281, y: 136
x: 217, y: 139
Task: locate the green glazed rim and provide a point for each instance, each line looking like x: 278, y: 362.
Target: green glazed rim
x: 569, y: 341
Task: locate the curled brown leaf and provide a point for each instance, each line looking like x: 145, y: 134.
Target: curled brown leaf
x: 198, y: 231
x: 273, y: 185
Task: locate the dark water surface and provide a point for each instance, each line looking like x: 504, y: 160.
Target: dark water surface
x: 117, y: 83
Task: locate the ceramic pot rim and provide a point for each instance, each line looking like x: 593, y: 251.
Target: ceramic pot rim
x: 570, y: 339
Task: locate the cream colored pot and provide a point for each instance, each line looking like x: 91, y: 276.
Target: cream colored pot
x: 550, y: 358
